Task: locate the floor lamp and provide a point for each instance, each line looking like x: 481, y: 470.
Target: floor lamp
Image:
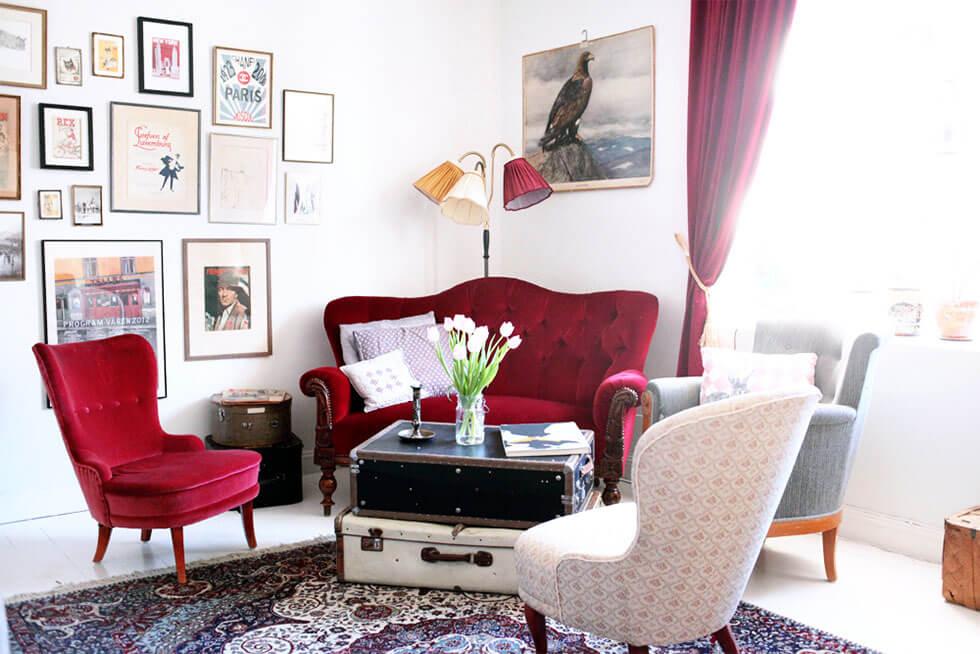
x: 463, y: 196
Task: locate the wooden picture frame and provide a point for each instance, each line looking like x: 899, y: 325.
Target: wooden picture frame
x: 10, y: 147
x: 45, y: 205
x: 31, y: 70
x: 242, y: 180
x: 307, y: 126
x: 241, y: 87
x: 227, y: 298
x: 65, y: 134
x: 165, y: 56
x: 108, y: 55
x: 12, y: 248
x: 68, y: 66
x: 85, y: 205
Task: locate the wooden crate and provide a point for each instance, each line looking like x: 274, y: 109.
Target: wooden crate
x: 961, y: 559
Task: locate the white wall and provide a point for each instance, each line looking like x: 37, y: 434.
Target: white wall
x: 414, y: 84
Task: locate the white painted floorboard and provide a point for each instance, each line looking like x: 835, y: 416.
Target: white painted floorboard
x: 882, y: 600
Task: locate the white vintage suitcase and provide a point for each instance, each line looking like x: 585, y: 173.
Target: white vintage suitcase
x: 425, y: 554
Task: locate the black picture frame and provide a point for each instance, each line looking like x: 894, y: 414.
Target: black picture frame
x: 42, y: 136
x: 141, y: 23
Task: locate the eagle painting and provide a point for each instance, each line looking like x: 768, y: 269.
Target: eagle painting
x: 572, y: 100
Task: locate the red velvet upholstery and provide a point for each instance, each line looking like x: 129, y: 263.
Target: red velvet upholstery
x: 132, y: 473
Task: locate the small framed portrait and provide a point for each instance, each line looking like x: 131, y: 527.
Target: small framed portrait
x: 242, y: 88
x: 23, y: 46
x: 49, y: 205
x: 307, y: 126
x: 243, y: 180
x: 68, y: 66
x: 227, y: 298
x: 11, y: 246
x: 166, y: 56
x: 86, y: 205
x: 66, y: 136
x: 304, y: 193
x: 108, y: 55
x: 10, y: 147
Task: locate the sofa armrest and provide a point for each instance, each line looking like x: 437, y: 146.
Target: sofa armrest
x: 670, y: 395
x: 332, y: 391
x: 89, y: 459
x: 614, y: 412
x: 833, y: 414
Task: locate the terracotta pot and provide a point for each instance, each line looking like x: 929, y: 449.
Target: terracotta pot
x: 956, y: 320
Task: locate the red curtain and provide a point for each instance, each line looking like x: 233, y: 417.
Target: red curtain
x: 735, y: 46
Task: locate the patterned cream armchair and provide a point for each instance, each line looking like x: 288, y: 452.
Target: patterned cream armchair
x: 706, y: 485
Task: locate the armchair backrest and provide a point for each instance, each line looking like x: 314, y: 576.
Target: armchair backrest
x: 786, y: 337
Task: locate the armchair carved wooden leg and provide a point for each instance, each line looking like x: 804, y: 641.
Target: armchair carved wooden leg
x: 611, y: 466
x: 145, y: 535
x: 646, y: 409
x: 249, y: 525
x: 830, y: 553
x: 539, y: 633
x: 725, y: 639
x: 177, y: 536
x: 100, y: 547
x: 324, y: 454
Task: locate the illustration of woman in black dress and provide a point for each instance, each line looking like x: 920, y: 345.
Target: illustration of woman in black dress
x: 171, y: 166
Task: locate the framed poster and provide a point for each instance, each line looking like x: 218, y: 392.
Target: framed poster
x: 97, y: 289
x: 108, y: 55
x: 227, y: 298
x: 242, y: 180
x: 49, y: 205
x: 166, y: 56
x: 588, y: 112
x: 23, y: 46
x: 9, y: 147
x: 68, y: 66
x: 307, y: 126
x: 86, y: 205
x: 65, y: 132
x: 303, y: 195
x: 242, y: 88
x: 155, y: 159
x: 11, y: 246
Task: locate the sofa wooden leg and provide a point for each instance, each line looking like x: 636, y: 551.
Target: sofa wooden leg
x: 145, y: 534
x: 830, y: 553
x: 539, y: 633
x: 725, y: 639
x: 177, y: 536
x: 100, y: 547
x: 328, y: 482
x: 249, y: 525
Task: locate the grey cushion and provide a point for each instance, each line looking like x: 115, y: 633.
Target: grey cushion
x: 420, y: 355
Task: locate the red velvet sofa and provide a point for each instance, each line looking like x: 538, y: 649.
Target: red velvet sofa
x: 581, y: 359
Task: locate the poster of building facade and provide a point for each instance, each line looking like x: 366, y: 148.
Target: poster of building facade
x: 242, y: 88
x: 11, y: 246
x: 166, y: 56
x: 9, y: 147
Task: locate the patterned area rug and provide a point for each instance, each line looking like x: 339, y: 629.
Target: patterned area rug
x: 290, y: 601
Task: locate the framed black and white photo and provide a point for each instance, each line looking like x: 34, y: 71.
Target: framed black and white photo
x: 86, y: 205
x: 24, y: 46
x: 243, y: 180
x: 108, y: 55
x: 96, y: 289
x: 49, y: 205
x: 242, y: 88
x: 307, y: 126
x: 11, y: 246
x: 166, y: 56
x: 66, y: 136
x: 304, y: 198
x: 68, y: 66
x: 227, y: 298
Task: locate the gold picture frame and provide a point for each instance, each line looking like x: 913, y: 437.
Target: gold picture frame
x: 103, y: 51
x: 35, y: 44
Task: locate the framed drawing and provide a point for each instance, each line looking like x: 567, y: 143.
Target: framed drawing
x: 108, y: 55
x: 155, y: 159
x: 66, y: 136
x: 11, y: 246
x: 49, y: 205
x: 97, y: 289
x: 242, y: 88
x: 166, y: 56
x: 68, y: 66
x: 307, y: 126
x: 227, y: 298
x: 303, y: 198
x: 9, y: 147
x: 86, y: 205
x: 242, y: 180
x: 24, y: 46
x: 588, y: 112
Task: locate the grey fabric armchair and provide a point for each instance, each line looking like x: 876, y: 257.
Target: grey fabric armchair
x: 814, y: 498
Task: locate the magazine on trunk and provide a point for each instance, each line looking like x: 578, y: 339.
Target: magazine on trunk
x: 544, y: 439
x: 251, y: 395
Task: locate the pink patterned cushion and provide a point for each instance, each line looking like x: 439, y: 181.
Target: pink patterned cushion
x: 419, y: 353
x: 729, y: 372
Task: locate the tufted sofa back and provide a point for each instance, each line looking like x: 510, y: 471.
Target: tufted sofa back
x: 572, y: 342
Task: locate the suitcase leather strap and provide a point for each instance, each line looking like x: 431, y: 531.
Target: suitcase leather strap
x: 480, y: 558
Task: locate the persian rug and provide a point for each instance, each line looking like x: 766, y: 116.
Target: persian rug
x: 289, y: 601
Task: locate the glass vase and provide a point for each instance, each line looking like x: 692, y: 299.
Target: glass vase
x: 471, y: 413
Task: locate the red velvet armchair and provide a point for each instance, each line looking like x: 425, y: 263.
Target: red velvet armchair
x: 581, y: 359
x: 132, y: 473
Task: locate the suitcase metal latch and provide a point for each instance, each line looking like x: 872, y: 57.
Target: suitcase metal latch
x: 374, y: 542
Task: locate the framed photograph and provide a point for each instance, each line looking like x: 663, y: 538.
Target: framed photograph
x: 96, y: 289
x: 23, y: 46
x: 9, y: 147
x: 166, y: 56
x: 68, y: 66
x: 155, y: 159
x: 86, y: 205
x: 108, y: 55
x: 243, y: 180
x: 242, y: 88
x: 66, y: 136
x: 588, y: 112
x: 49, y: 205
x: 227, y: 298
x: 307, y: 126
x: 304, y: 192
x: 11, y: 246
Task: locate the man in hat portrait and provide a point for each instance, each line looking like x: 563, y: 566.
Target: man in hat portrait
x: 233, y: 312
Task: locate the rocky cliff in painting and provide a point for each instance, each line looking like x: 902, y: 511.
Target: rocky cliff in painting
x: 571, y: 162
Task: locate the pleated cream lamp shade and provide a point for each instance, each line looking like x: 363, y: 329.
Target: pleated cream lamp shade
x: 467, y: 201
x: 437, y: 183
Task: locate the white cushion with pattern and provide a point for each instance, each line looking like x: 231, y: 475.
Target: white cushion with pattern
x: 381, y: 381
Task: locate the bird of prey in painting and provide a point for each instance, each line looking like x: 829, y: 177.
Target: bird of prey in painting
x: 569, y: 106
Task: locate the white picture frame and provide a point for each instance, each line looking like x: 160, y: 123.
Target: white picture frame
x: 24, y: 56
x: 303, y: 198
x: 307, y: 126
x: 242, y: 180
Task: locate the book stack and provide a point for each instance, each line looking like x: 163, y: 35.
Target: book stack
x: 251, y: 396
x: 544, y: 439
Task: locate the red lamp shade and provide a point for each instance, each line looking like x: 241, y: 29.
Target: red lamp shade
x: 523, y: 185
